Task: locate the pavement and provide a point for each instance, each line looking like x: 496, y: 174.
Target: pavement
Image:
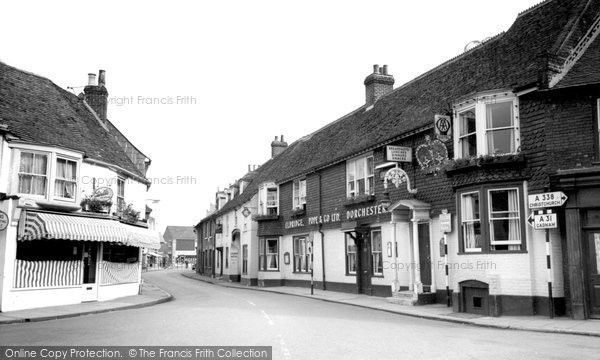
x: 150, y: 295
x: 560, y: 325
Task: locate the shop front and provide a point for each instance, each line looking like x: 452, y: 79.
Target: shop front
x: 58, y: 259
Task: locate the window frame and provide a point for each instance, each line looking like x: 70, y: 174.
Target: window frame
x: 346, y: 253
x: 264, y: 208
x: 47, y: 176
x: 461, y: 222
x: 263, y: 254
x: 374, y: 230
x: 121, y: 204
x: 479, y: 106
x: 299, y: 194
x: 352, y: 168
x: 484, y: 217
x: 74, y: 181
x: 245, y: 259
x: 307, y: 250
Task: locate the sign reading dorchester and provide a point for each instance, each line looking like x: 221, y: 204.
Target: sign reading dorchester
x: 336, y: 217
x: 544, y: 200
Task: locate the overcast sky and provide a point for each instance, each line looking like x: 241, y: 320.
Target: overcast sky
x: 232, y: 75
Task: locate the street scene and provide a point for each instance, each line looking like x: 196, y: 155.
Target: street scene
x: 247, y: 180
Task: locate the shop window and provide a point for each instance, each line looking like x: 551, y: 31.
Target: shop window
x: 487, y: 125
x: 350, y: 255
x: 245, y: 259
x: 268, y: 254
x: 59, y: 250
x: 503, y: 215
x: 376, y: 252
x: 299, y: 194
x: 302, y: 251
x: 119, y: 253
x: 360, y: 177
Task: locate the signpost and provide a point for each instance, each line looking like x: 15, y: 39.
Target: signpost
x: 546, y: 220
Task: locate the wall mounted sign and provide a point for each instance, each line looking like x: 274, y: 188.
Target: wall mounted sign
x: 443, y: 127
x: 544, y: 200
x: 542, y: 221
x: 3, y: 220
x: 431, y: 155
x: 246, y: 212
x: 103, y: 194
x: 365, y: 211
x: 398, y: 153
x: 398, y: 177
x: 445, y: 222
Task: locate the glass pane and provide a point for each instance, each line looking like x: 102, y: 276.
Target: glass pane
x: 26, y: 163
x: 370, y: 167
x: 371, y: 185
x: 469, y: 145
x: 472, y: 235
x: 597, y: 247
x: 501, y: 141
x: 24, y: 184
x: 376, y: 241
x: 40, y: 164
x: 351, y: 260
x: 272, y: 246
x: 470, y: 206
x: 361, y: 186
x: 350, y: 170
x: 360, y: 168
x: 499, y: 115
x: 467, y: 121
x: 499, y: 200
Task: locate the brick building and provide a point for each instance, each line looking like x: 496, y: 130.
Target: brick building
x: 357, y: 205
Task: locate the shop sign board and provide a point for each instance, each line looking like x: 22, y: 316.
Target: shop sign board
x: 398, y: 153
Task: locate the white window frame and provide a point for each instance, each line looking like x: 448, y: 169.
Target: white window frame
x: 463, y: 222
x: 490, y: 218
x: 347, y: 238
x: 302, y: 250
x: 56, y: 178
x: 374, y: 252
x: 264, y: 254
x: 264, y: 206
x: 53, y: 154
x: 352, y: 168
x: 123, y: 205
x: 479, y: 106
x: 299, y: 194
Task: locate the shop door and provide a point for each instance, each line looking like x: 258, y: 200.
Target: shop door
x: 90, y: 257
x: 364, y: 265
x: 425, y: 256
x: 593, y: 240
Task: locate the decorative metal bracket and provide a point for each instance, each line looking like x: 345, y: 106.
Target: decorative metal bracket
x: 397, y: 176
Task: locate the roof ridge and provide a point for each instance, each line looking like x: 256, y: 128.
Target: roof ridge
x: 530, y: 9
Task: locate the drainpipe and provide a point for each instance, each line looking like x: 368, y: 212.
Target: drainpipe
x: 322, y: 234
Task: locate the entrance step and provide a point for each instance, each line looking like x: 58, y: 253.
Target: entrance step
x: 406, y: 298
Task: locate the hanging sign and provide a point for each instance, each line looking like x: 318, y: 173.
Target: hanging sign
x: 398, y: 153
x: 103, y: 194
x: 443, y: 127
x: 3, y: 220
x: 431, y: 155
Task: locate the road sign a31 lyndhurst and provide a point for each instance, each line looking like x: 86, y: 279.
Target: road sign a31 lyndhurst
x: 544, y: 200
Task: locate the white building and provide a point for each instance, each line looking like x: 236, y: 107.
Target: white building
x: 72, y: 196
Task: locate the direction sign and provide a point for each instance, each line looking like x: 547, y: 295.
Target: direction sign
x: 544, y: 200
x: 542, y: 221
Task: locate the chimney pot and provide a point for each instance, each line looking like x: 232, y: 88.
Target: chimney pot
x: 91, y: 79
x: 375, y: 69
x: 102, y: 78
x: 249, y: 167
x: 281, y: 138
x: 378, y: 84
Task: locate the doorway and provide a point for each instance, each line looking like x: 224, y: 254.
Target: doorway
x: 363, y: 271
x: 89, y: 285
x: 425, y: 255
x: 593, y: 269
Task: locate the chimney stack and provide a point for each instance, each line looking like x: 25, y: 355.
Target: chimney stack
x: 378, y: 84
x: 278, y: 146
x: 96, y: 95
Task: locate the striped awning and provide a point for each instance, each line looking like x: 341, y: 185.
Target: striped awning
x: 141, y: 237
x: 39, y: 226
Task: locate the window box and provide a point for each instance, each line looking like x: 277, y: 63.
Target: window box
x: 453, y: 166
x: 359, y: 199
x: 298, y: 212
x: 265, y: 217
x: 89, y: 204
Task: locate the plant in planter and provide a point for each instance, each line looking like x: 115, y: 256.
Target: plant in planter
x: 91, y: 204
x: 130, y: 215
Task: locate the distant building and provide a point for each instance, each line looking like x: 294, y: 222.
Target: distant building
x: 180, y: 244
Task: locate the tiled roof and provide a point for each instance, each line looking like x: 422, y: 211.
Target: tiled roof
x: 512, y: 60
x: 38, y: 111
x: 179, y: 232
x: 586, y: 70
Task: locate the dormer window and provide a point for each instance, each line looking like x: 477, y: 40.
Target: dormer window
x: 299, y: 194
x: 487, y: 125
x: 268, y: 199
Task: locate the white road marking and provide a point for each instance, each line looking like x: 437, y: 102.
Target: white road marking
x: 284, y: 349
x: 250, y: 302
x: 266, y: 316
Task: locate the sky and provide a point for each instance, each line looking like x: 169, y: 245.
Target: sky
x: 203, y: 87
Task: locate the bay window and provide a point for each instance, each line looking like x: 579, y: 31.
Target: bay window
x: 360, y: 176
x: 501, y: 209
x: 268, y: 199
x: 487, y: 125
x: 46, y: 174
x: 299, y: 194
x: 302, y: 251
x: 268, y: 254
